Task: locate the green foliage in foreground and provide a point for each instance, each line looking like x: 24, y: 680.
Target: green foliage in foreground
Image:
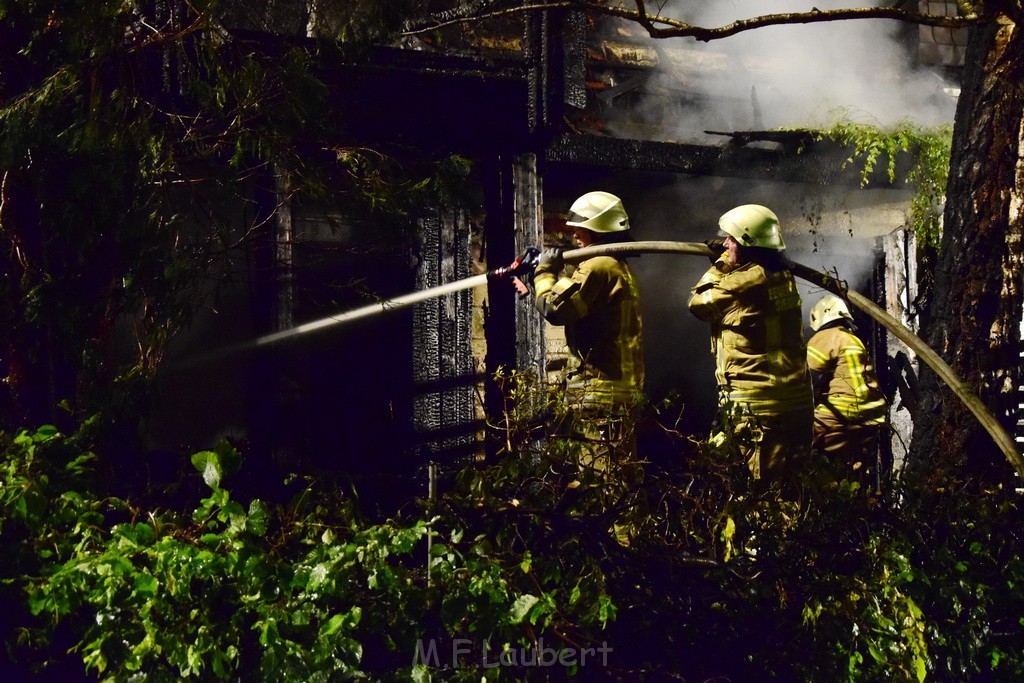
x: 526, y: 564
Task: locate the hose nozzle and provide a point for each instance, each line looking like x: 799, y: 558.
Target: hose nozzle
x: 520, y: 269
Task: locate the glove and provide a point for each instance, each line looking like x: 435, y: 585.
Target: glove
x: 717, y: 248
x: 550, y: 261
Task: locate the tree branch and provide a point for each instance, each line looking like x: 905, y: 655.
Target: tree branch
x: 680, y: 29
x: 675, y: 28
x: 537, y: 7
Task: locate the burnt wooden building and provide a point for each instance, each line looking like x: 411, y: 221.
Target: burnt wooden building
x: 546, y: 105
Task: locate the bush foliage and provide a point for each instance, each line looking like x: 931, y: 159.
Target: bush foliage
x: 525, y: 568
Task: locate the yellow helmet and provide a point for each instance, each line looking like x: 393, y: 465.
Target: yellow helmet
x: 828, y: 309
x: 753, y: 225
x: 598, y: 211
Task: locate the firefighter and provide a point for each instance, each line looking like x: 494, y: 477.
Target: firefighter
x: 850, y: 409
x: 750, y: 299
x: 599, y: 306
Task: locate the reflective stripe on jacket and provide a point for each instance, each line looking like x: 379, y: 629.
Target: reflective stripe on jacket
x: 599, y: 305
x: 838, y: 356
x: 756, y: 336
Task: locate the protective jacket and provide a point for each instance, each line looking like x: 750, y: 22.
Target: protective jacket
x: 756, y: 337
x: 846, y: 388
x: 599, y: 305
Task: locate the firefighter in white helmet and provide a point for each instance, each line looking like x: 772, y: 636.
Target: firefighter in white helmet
x: 599, y: 306
x: 750, y: 299
x: 850, y: 409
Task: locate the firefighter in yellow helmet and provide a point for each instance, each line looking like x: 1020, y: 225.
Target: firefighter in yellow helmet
x: 850, y: 409
x: 750, y: 299
x: 599, y: 306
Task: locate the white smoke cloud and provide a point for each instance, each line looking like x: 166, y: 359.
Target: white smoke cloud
x: 817, y: 223
x: 785, y: 76
x: 797, y: 75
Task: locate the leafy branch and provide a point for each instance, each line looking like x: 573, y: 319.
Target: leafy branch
x: 930, y: 150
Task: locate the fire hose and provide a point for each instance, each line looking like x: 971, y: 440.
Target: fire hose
x: 1002, y: 439
x: 523, y: 267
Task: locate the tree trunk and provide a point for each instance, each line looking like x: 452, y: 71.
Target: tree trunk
x: 974, y: 312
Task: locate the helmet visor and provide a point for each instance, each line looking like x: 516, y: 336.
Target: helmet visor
x: 574, y: 217
x: 743, y: 240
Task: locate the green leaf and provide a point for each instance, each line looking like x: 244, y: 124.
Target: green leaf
x: 210, y: 539
x: 146, y: 584
x: 144, y: 534
x: 45, y: 433
x: 334, y: 624
x: 342, y: 620
x: 317, y: 577
x: 521, y: 607
x: 259, y: 515
x: 728, y: 531
x: 208, y: 464
x: 268, y: 631
x: 607, y: 610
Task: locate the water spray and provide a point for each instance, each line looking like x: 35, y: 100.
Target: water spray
x: 515, y: 271
x: 522, y: 268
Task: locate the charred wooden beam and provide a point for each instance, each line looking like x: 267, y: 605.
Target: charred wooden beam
x: 791, y: 140
x: 574, y: 51
x: 818, y: 164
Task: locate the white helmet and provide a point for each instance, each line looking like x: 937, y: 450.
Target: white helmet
x: 752, y: 225
x: 828, y: 309
x: 598, y: 211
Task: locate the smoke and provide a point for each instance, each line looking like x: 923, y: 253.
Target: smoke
x: 828, y: 230
x: 804, y: 75
x: 798, y: 76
